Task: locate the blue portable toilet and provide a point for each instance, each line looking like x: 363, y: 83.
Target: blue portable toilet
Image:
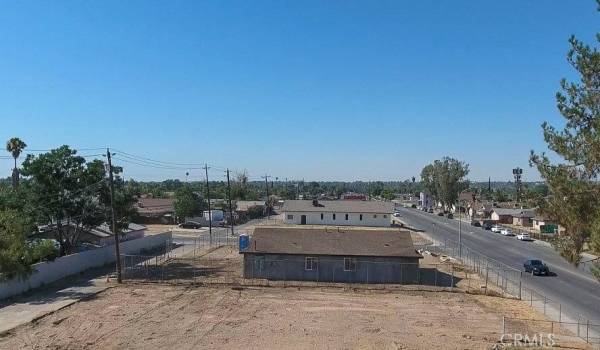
x: 244, y: 241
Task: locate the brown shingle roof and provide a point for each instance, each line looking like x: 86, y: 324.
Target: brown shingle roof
x: 330, y: 241
x: 339, y: 206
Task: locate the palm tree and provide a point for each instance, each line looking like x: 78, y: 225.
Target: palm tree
x: 15, y: 146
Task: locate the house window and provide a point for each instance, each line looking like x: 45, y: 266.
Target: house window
x: 349, y: 264
x: 310, y: 263
x: 346, y: 216
x: 384, y: 216
x: 375, y: 216
x: 321, y: 216
x: 290, y: 217
x: 333, y: 216
x: 360, y: 217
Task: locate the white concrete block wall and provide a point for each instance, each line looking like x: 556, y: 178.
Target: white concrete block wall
x: 314, y: 218
x: 48, y: 272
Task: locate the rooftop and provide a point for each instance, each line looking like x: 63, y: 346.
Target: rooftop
x: 332, y: 241
x: 521, y: 213
x: 339, y: 206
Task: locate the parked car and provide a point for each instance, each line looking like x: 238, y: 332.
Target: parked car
x: 430, y: 211
x: 396, y: 214
x: 507, y: 232
x: 475, y: 223
x: 496, y: 228
x: 487, y: 226
x: 190, y: 224
x: 440, y: 214
x: 523, y: 236
x: 450, y: 216
x: 536, y: 267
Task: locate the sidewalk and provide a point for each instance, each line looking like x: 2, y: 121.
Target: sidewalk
x: 24, y: 309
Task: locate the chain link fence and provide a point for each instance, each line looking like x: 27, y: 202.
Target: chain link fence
x: 510, y: 281
x: 216, y: 259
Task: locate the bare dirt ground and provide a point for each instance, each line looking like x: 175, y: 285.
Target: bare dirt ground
x: 218, y: 316
x: 158, y: 317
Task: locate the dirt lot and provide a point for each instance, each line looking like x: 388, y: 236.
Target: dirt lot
x: 152, y: 316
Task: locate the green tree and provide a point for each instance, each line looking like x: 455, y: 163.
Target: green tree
x: 444, y: 179
x: 15, y: 146
x: 187, y: 203
x: 14, y: 228
x: 572, y: 184
x: 72, y: 195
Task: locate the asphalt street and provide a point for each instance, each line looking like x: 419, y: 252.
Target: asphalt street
x: 576, y: 290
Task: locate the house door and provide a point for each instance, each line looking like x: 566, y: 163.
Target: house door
x: 303, y: 220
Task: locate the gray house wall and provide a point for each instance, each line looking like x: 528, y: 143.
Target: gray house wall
x: 331, y: 268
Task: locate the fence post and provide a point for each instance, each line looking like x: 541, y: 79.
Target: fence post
x: 435, y: 277
x: 544, y: 304
x: 559, y: 312
x: 587, y: 332
x: 503, y: 325
x: 452, y: 277
x: 487, y: 271
x: 520, y: 283
x: 531, y: 293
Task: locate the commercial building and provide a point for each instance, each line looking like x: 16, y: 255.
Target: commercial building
x: 345, y: 255
x: 338, y: 213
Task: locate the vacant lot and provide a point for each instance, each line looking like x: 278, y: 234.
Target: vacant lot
x: 154, y: 316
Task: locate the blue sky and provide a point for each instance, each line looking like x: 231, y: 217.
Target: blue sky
x: 321, y: 90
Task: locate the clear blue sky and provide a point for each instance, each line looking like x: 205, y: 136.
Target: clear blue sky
x: 318, y: 90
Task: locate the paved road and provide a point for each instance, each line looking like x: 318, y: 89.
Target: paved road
x: 576, y: 290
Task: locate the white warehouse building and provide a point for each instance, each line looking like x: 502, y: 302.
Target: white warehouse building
x: 338, y: 213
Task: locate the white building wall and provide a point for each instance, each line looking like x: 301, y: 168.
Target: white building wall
x: 48, y: 272
x: 314, y: 218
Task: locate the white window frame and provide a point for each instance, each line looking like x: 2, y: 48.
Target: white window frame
x: 349, y: 261
x: 313, y: 263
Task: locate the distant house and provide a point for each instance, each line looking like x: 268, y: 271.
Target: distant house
x: 521, y: 217
x: 338, y: 213
x: 99, y: 236
x: 325, y: 255
x: 504, y: 215
x: 524, y: 218
x: 544, y: 224
x: 354, y: 196
x: 156, y: 210
x: 245, y: 206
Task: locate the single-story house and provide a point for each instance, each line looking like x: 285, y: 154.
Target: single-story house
x: 323, y: 254
x: 156, y: 210
x: 338, y: 213
x: 524, y: 218
x: 543, y: 224
x: 354, y: 196
x: 521, y: 217
x: 99, y: 236
x: 504, y: 215
x: 245, y: 206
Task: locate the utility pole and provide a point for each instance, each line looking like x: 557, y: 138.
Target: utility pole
x: 266, y: 177
x: 206, y: 167
x: 112, y: 211
x: 229, y: 196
